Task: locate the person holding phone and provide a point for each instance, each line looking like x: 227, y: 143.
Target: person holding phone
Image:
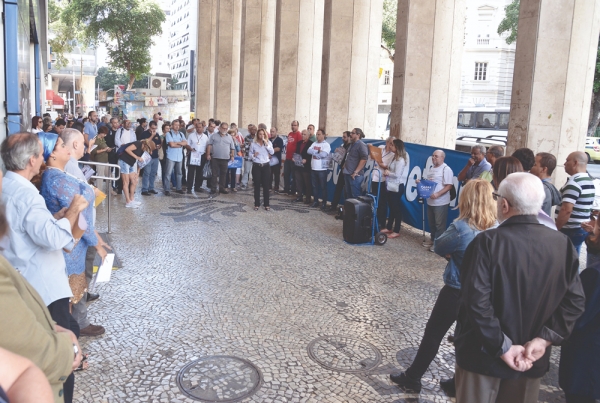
x: 100, y: 154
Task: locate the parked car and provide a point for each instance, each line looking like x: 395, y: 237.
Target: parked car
x: 592, y: 149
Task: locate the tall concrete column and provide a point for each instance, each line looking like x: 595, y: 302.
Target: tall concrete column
x: 227, y: 69
x: 298, y: 56
x: 557, y: 44
x: 427, y: 63
x: 257, y: 62
x: 350, y: 67
x: 205, y: 58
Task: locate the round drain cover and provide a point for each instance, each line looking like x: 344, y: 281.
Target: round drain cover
x: 344, y: 354
x: 219, y: 378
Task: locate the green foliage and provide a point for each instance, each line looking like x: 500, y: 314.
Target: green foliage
x: 597, y: 72
x: 107, y: 79
x: 388, y: 28
x: 64, y: 37
x: 510, y: 22
x: 126, y: 27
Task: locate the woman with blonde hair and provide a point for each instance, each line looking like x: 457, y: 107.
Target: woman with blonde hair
x: 260, y: 152
x: 477, y: 213
x: 128, y: 160
x: 396, y: 175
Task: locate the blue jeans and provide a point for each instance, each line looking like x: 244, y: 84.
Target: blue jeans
x: 576, y: 235
x: 319, y: 185
x: 353, y: 186
x: 172, y: 166
x: 149, y: 177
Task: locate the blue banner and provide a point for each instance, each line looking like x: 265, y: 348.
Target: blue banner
x: 419, y: 162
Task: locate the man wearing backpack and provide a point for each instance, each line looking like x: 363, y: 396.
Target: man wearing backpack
x: 543, y: 168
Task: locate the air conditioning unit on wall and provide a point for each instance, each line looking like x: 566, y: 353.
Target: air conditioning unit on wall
x: 159, y: 83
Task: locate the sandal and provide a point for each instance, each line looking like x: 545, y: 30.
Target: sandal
x: 268, y: 208
x: 393, y: 235
x: 255, y: 208
x: 233, y: 189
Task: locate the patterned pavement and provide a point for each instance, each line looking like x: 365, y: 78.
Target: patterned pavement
x: 273, y: 306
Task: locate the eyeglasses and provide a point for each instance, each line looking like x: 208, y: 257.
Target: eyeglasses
x: 499, y: 196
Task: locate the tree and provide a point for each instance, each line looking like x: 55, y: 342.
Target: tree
x: 388, y: 28
x: 126, y: 27
x: 108, y: 78
x: 510, y: 23
x: 64, y: 37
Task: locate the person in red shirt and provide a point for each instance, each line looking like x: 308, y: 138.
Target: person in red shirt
x: 289, y: 185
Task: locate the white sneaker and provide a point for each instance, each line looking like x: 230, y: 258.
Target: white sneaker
x: 432, y: 250
x: 132, y: 205
x: 427, y: 244
x: 137, y: 203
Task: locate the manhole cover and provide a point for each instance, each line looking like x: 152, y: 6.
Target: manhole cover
x: 344, y: 354
x: 219, y: 378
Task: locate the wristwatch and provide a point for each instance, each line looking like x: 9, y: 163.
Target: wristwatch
x: 75, y: 349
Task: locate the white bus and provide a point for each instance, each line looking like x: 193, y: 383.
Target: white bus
x: 486, y: 126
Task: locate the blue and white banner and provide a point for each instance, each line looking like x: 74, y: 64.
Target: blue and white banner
x: 419, y: 162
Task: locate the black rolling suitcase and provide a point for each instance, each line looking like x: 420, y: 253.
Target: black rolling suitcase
x: 358, y: 220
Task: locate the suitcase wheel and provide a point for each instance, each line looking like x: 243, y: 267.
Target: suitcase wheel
x: 380, y: 238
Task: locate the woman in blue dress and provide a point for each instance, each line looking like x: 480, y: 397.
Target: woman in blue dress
x: 58, y: 189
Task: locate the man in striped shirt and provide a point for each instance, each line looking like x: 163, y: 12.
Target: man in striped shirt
x: 577, y: 199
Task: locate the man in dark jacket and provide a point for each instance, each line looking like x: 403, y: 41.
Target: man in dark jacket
x: 521, y: 293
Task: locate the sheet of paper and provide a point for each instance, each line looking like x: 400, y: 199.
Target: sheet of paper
x: 105, y: 270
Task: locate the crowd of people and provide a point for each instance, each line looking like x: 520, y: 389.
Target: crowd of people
x: 512, y: 282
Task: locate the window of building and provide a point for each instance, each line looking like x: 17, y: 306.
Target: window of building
x: 480, y: 71
x: 386, y: 77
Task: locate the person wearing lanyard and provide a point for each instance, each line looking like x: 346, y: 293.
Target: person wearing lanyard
x: 260, y: 151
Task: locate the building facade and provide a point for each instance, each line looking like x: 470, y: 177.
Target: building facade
x: 487, y: 62
x: 183, y: 20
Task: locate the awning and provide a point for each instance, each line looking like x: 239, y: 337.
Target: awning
x: 56, y: 100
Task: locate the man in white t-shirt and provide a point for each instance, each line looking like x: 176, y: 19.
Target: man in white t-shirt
x: 439, y: 202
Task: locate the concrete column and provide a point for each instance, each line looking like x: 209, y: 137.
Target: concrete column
x: 257, y: 62
x: 227, y: 68
x: 427, y: 63
x: 205, y: 59
x: 554, y: 71
x: 298, y: 56
x: 350, y: 67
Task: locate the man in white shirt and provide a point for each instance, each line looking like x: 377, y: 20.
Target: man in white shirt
x: 439, y: 202
x: 197, y: 151
x: 125, y: 134
x: 159, y: 123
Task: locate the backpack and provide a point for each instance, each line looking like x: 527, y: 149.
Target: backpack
x: 556, y: 198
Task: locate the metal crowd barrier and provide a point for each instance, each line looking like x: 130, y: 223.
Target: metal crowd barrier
x: 107, y: 178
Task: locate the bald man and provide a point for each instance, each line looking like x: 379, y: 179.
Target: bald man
x: 577, y: 197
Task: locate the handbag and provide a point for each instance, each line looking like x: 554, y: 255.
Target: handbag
x: 78, y: 284
x: 207, y: 171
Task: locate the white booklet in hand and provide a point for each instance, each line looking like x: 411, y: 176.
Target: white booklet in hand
x: 105, y: 270
x: 146, y: 158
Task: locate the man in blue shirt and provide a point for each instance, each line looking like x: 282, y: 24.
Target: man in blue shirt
x: 90, y: 129
x: 175, y: 141
x: 476, y: 166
